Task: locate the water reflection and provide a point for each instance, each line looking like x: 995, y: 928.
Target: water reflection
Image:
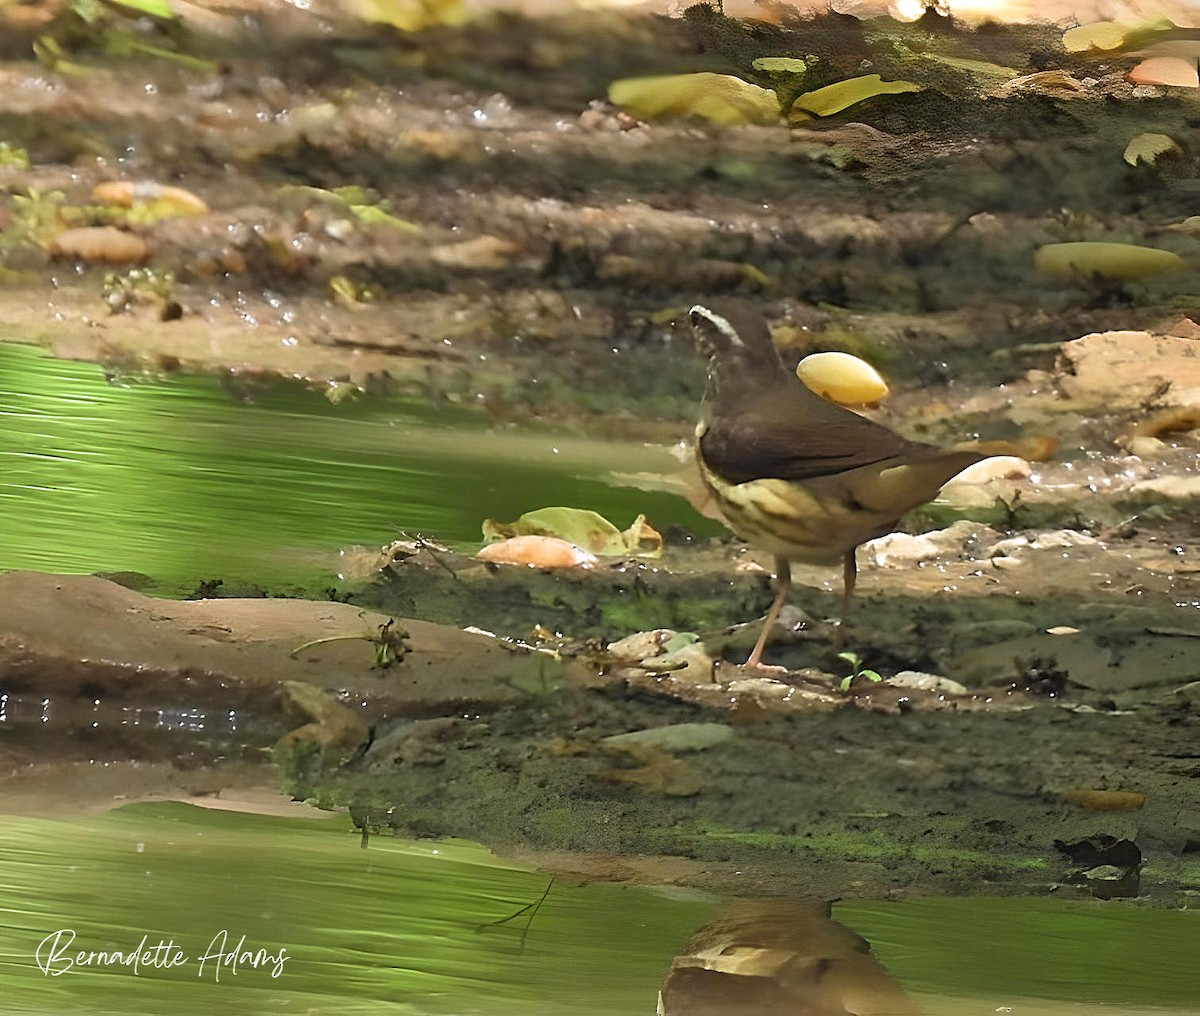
x: 448, y: 928
x: 173, y: 479
x: 770, y: 958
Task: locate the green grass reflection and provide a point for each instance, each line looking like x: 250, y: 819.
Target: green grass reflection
x: 391, y: 929
x: 177, y: 479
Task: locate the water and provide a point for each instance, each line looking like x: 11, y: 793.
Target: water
x: 176, y: 479
x: 412, y: 928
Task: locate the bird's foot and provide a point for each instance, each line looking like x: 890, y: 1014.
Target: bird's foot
x: 755, y: 668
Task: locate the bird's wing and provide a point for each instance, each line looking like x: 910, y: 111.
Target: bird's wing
x: 791, y: 434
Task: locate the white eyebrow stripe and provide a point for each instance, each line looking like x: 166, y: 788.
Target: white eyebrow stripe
x: 719, y: 323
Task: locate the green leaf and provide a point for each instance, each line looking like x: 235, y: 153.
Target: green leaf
x: 374, y: 215
x: 410, y: 15
x: 719, y: 98
x: 980, y: 68
x: 1115, y: 260
x: 1147, y: 147
x: 779, y: 65
x: 579, y: 526
x: 155, y: 8
x: 679, y: 640
x: 583, y: 528
x: 838, y: 96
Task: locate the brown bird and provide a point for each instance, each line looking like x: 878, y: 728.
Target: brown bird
x: 792, y: 473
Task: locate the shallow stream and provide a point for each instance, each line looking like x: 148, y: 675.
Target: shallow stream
x: 437, y: 927
x: 184, y: 480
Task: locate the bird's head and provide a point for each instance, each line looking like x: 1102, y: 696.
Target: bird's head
x: 735, y: 338
x: 715, y: 333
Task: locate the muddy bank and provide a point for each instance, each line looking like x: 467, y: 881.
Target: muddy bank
x: 759, y: 785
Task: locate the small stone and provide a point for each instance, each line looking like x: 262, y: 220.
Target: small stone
x: 1144, y: 447
x: 641, y: 644
x: 676, y: 737
x: 483, y: 253
x: 998, y: 467
x: 1059, y: 538
x: 899, y: 550
x: 919, y: 681
x: 691, y: 664
x: 1170, y: 486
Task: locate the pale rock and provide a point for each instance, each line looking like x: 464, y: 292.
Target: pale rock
x: 899, y: 550
x: 1005, y: 548
x: 691, y: 664
x: 676, y: 737
x: 766, y: 687
x: 640, y: 644
x: 483, y: 253
x: 919, y: 681
x: 998, y: 467
x: 1060, y: 538
x: 1144, y: 447
x: 1170, y: 486
x: 1185, y: 327
x: 1123, y: 369
x: 963, y: 533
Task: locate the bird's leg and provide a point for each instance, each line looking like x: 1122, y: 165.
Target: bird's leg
x: 783, y: 578
x: 849, y: 576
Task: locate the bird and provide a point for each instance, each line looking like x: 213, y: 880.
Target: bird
x: 792, y: 473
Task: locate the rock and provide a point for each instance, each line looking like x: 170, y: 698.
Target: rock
x: 105, y: 244
x: 1124, y: 370
x: 68, y: 631
x: 690, y: 663
x: 926, y: 682
x: 899, y: 550
x: 1061, y: 538
x: 1144, y: 447
x: 997, y: 467
x: 676, y: 737
x: 1169, y: 486
x: 481, y: 254
x: 334, y: 731
x: 640, y: 644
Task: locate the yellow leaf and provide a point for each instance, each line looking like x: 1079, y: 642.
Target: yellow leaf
x: 1115, y: 260
x: 836, y: 97
x: 1098, y: 35
x: 582, y: 528
x: 1110, y: 35
x: 978, y: 67
x: 779, y: 65
x: 1148, y: 147
x: 719, y: 98
x: 409, y: 15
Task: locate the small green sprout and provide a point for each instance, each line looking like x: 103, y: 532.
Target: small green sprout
x: 857, y: 670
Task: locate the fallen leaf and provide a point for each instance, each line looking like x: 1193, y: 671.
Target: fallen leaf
x: 1147, y: 147
x: 583, y: 528
x: 1105, y: 800
x: 100, y: 243
x: 1166, y: 70
x: 1115, y: 260
x: 537, y: 552
x: 719, y: 98
x: 841, y: 94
